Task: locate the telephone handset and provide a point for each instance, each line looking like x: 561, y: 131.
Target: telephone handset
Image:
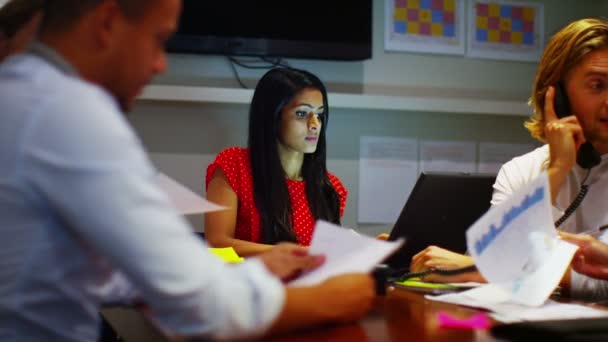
x: 587, y: 157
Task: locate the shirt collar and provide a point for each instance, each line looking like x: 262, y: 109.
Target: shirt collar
x: 45, y: 52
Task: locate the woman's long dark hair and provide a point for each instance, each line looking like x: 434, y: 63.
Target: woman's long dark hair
x: 273, y: 92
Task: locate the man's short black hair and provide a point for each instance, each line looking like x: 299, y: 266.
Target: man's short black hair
x: 16, y: 13
x: 62, y: 14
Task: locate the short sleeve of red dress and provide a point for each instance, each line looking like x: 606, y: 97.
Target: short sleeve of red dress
x: 235, y: 163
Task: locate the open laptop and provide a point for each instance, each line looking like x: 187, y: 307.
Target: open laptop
x: 439, y: 210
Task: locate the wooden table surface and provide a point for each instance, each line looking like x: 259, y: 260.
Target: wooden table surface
x: 401, y: 315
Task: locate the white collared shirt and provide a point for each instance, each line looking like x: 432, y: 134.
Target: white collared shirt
x: 590, y: 215
x: 83, y: 222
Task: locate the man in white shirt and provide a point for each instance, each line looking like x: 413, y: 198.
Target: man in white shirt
x: 575, y: 61
x: 82, y: 221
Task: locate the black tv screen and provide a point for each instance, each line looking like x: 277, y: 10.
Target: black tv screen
x: 312, y: 29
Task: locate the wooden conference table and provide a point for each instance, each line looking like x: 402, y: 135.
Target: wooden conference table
x: 401, y: 315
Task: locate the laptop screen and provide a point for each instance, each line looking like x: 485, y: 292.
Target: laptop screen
x: 439, y: 210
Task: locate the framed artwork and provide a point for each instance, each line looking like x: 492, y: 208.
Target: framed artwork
x: 429, y: 26
x: 505, y: 30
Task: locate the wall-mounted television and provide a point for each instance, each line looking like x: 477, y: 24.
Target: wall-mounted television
x: 312, y: 29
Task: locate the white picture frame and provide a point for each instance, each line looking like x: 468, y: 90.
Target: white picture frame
x: 505, y: 30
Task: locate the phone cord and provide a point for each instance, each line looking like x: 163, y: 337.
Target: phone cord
x: 576, y: 203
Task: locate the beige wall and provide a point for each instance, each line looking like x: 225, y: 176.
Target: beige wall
x: 183, y: 137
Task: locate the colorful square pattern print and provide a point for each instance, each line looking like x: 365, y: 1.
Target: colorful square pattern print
x: 504, y: 24
x: 435, y: 18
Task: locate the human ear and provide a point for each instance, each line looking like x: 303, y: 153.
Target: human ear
x: 107, y: 20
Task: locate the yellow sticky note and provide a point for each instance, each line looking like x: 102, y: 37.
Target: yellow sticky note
x: 227, y: 254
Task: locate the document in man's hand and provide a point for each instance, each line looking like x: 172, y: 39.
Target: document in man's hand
x: 185, y: 200
x: 344, y: 252
x: 516, y: 248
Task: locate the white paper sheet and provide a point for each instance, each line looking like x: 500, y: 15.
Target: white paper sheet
x: 388, y: 169
x: 493, y: 155
x: 185, y: 200
x: 505, y: 231
x: 345, y: 252
x: 495, y: 299
x: 447, y: 156
x: 550, y: 310
x: 515, y: 244
x: 516, y: 248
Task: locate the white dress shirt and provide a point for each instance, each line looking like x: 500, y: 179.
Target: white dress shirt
x: 590, y: 215
x: 83, y: 222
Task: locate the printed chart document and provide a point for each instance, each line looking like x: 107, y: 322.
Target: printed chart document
x: 515, y: 245
x: 185, y: 200
x: 344, y: 252
x: 516, y: 248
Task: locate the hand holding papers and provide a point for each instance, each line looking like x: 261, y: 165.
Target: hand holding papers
x: 344, y: 252
x: 516, y: 248
x: 185, y: 200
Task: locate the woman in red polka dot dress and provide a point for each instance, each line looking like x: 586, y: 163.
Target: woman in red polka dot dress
x: 279, y: 186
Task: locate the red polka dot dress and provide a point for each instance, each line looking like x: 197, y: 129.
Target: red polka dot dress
x: 234, y: 161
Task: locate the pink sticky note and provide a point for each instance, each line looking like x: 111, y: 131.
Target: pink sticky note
x: 477, y: 321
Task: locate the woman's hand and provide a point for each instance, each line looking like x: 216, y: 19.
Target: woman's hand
x: 382, y: 236
x: 437, y: 257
